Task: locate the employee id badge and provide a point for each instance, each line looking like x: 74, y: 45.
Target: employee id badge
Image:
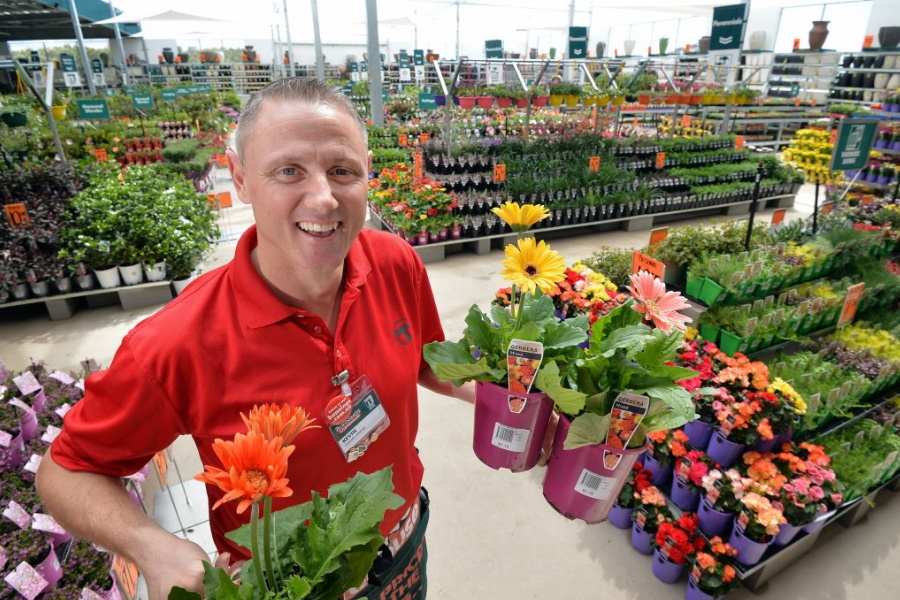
x: 355, y: 418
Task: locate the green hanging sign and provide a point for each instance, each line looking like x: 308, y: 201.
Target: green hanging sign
x: 96, y: 65
x: 109, y: 92
x: 93, y: 109
x: 578, y: 38
x: 853, y: 143
x: 170, y: 95
x: 142, y: 101
x: 184, y: 90
x: 68, y: 64
x: 426, y: 101
x: 493, y: 48
x: 728, y: 27
x: 418, y: 57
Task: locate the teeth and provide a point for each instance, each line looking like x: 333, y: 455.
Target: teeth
x: 318, y: 227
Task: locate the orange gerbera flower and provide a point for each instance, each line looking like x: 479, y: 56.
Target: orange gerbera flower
x: 254, y: 468
x: 272, y: 421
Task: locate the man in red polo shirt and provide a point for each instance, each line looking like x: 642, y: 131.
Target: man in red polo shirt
x: 311, y: 301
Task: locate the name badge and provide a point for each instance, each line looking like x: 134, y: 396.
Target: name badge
x: 355, y: 418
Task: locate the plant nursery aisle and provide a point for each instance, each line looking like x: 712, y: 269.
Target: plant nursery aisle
x: 492, y: 535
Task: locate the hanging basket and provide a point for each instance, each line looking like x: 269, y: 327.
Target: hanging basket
x: 14, y: 119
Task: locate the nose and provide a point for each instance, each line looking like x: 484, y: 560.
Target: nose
x: 318, y: 194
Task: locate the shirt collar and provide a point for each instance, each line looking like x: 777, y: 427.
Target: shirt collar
x: 257, y: 303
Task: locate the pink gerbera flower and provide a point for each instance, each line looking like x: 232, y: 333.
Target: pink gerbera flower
x: 656, y: 304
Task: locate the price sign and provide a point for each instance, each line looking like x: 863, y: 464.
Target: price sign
x: 17, y: 215
x: 634, y: 122
x: 595, y: 164
x: 657, y: 235
x: 867, y: 41
x: 424, y: 137
x: 642, y: 262
x: 660, y: 160
x: 686, y: 121
x: 827, y: 207
x: 833, y: 138
x: 225, y: 200
x: 500, y: 172
x: 222, y: 160
x: 796, y: 101
x: 687, y: 48
x: 159, y: 461
x: 778, y: 216
x: 739, y: 142
x: 796, y: 43
x: 401, y: 140
x: 101, y: 155
x: 126, y: 574
x: 813, y: 102
x: 851, y: 302
x: 417, y: 164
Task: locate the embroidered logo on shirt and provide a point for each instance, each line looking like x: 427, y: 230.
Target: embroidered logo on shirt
x: 402, y: 332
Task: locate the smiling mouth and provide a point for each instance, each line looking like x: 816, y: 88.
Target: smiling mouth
x: 318, y: 229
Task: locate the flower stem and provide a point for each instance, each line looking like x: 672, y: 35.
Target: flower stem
x: 512, y: 298
x: 267, y: 543
x: 254, y: 548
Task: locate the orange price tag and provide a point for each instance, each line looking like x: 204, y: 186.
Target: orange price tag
x: 657, y: 235
x: 813, y: 102
x: 423, y: 138
x: 660, y: 160
x: 796, y: 101
x: 833, y: 137
x: 796, y: 43
x: 225, y: 199
x: 642, y: 262
x: 17, y: 215
x: 500, y: 172
x: 222, y: 160
x: 418, y: 169
x: 101, y: 155
x: 126, y: 574
x: 739, y: 142
x: 778, y: 216
x: 687, y: 47
x: 595, y: 164
x: 867, y: 200
x: 634, y: 122
x: 867, y: 41
x: 827, y: 207
x: 851, y: 302
x: 686, y: 121
x: 159, y: 461
x: 401, y: 140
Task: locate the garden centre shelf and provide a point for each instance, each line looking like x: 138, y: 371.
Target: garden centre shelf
x: 63, y: 306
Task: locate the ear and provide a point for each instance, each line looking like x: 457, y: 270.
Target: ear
x: 236, y: 167
x: 369, y: 156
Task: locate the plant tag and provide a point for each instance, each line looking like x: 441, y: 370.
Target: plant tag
x: 5, y: 439
x: 769, y: 301
x: 25, y: 580
x: 742, y: 520
x: 640, y: 517
x: 43, y: 522
x: 627, y: 413
x: 726, y: 426
x: 859, y: 439
x: 33, y: 463
x: 523, y: 359
x: 355, y: 418
x: 750, y: 327
x: 4, y: 557
x: 684, y: 469
x: 813, y: 405
x: 63, y: 410
x: 594, y: 164
x: 833, y: 397
x: 667, y: 546
x: 875, y: 432
x: 17, y: 215
x: 18, y: 515
x: 89, y: 594
x: 499, y: 172
x: 847, y: 388
x: 62, y: 377
x: 846, y: 447
x: 594, y: 486
x: 695, y: 575
x: 758, y: 305
x: 50, y: 434
x: 851, y: 303
x: 765, y: 319
x: 27, y: 383
x: 891, y: 458
x: 779, y: 315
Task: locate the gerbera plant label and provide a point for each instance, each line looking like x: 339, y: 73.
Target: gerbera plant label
x: 627, y: 413
x: 523, y: 359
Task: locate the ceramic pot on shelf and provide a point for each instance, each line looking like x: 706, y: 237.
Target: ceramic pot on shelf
x: 629, y: 47
x: 818, y: 34
x: 889, y: 37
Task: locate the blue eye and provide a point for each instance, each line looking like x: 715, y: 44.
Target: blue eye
x: 289, y: 171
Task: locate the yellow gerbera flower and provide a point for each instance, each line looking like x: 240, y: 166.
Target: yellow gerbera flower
x: 521, y: 216
x: 530, y: 265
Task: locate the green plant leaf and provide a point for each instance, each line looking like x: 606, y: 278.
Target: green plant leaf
x: 479, y: 331
x: 297, y: 587
x: 218, y: 585
x: 632, y: 338
x: 673, y: 374
x: 661, y: 348
x: 538, y: 309
x: 667, y: 419
x: 452, y: 361
x: 284, y: 525
x: 676, y: 397
x: 586, y: 430
x: 549, y: 381
x: 562, y: 335
x: 179, y: 593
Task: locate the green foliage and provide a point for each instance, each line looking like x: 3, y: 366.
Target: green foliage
x: 615, y: 263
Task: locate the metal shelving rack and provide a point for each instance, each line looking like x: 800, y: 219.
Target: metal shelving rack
x: 864, y: 91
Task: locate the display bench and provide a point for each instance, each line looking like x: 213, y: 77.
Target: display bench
x: 63, y: 306
x: 761, y: 130
x: 241, y: 77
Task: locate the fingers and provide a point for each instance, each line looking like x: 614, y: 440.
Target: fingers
x: 547, y: 445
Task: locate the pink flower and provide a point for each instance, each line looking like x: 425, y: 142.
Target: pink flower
x: 816, y: 493
x: 656, y: 304
x: 836, y: 499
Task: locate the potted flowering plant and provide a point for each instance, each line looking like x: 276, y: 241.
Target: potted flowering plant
x: 506, y: 351
x: 411, y: 205
x: 676, y: 543
x: 665, y: 448
x: 651, y: 510
x: 722, y: 493
x: 755, y: 528
x: 620, y: 513
x: 687, y: 482
x: 712, y: 571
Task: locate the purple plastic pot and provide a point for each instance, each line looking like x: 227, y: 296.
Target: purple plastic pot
x: 713, y: 522
x: 787, y: 534
x: 641, y: 540
x: 723, y: 451
x: 659, y: 474
x: 683, y: 496
x: 783, y: 437
x: 881, y: 144
x: 495, y: 424
x: 15, y: 451
x: 699, y: 432
x: 50, y: 569
x: 749, y: 552
x: 764, y: 446
x: 692, y: 592
x: 578, y: 484
x: 895, y: 145
x: 620, y: 516
x: 666, y: 570
x: 819, y: 523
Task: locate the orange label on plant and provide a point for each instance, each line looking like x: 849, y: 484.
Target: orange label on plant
x: 851, y: 303
x: 686, y: 121
x: 418, y: 169
x: 595, y: 164
x: 660, y: 160
x: 827, y: 207
x: 159, y: 461
x: 739, y: 142
x: 101, y: 155
x: 642, y: 262
x: 212, y: 200
x: 225, y: 199
x: 424, y: 137
x: 500, y: 172
x: 17, y: 215
x: 627, y: 413
x: 833, y: 138
x: 222, y: 160
x: 127, y: 575
x: 796, y: 43
x: 867, y: 41
x: 657, y: 235
x: 401, y: 140
x: 778, y: 216
x: 523, y: 359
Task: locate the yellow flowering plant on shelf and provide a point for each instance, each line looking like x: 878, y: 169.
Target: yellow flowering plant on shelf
x: 534, y: 270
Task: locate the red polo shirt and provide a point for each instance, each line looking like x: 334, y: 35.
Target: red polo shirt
x: 227, y: 343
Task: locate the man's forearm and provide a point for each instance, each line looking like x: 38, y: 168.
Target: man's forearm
x: 465, y: 392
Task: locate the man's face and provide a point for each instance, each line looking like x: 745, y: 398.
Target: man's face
x: 305, y: 173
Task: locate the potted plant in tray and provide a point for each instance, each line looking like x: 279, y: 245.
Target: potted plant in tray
x: 755, y: 528
x: 712, y: 572
x: 621, y: 512
x: 506, y: 350
x: 676, y: 543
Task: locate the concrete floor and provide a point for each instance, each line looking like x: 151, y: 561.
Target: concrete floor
x: 492, y: 535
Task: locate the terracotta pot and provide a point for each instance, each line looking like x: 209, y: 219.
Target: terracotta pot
x: 817, y: 35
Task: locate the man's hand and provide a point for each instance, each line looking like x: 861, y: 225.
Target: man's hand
x: 547, y: 446
x: 174, y: 562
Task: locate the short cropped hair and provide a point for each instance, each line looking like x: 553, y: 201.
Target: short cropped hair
x: 308, y: 90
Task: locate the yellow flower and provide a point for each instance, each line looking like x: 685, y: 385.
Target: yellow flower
x: 521, y: 217
x: 529, y: 265
x: 690, y: 333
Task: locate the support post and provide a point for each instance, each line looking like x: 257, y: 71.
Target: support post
x: 756, y: 182
x: 85, y: 63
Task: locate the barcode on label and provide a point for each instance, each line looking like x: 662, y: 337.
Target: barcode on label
x: 594, y: 486
x: 510, y: 438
